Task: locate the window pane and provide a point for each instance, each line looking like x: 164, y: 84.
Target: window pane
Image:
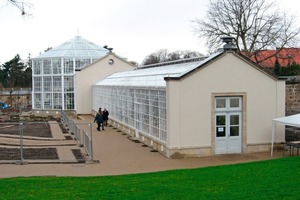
x: 56, y: 65
x: 47, y: 100
x: 220, y: 103
x: 234, y: 120
x: 37, y: 100
x: 37, y: 67
x: 37, y: 84
x: 47, y: 66
x: 234, y: 103
x: 221, y: 132
x: 69, y: 100
x: 57, y: 84
x: 80, y: 63
x: 221, y: 120
x: 47, y: 83
x: 69, y: 84
x: 234, y: 131
x: 68, y: 66
x: 57, y: 101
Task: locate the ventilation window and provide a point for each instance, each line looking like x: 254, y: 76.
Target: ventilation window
x: 111, y: 61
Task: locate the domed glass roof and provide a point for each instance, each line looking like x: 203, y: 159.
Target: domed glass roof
x: 77, y: 47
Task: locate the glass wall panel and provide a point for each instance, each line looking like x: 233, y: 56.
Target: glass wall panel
x: 57, y: 84
x: 140, y: 108
x: 47, y: 66
x: 162, y: 115
x: 37, y: 84
x: 80, y: 63
x: 57, y: 101
x: 37, y: 100
x: 69, y: 92
x: 94, y: 59
x: 68, y: 66
x: 56, y: 65
x: 37, y: 67
x: 131, y: 106
x: 47, y: 100
x: 68, y: 84
x: 47, y: 83
x: 69, y: 101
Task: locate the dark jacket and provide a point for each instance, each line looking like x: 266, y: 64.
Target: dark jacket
x: 105, y: 115
x: 98, y: 118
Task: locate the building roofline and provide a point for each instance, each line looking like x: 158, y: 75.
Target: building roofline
x: 161, y: 64
x: 259, y: 67
x: 191, y: 71
x: 246, y: 59
x: 102, y: 58
x: 69, y: 48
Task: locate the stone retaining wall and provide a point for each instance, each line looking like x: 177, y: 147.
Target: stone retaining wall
x: 17, y: 101
x: 292, y: 98
x: 292, y: 106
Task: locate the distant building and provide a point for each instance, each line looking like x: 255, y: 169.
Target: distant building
x: 62, y: 77
x: 285, y: 57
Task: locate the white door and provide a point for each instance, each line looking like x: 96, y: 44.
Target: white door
x: 228, y: 136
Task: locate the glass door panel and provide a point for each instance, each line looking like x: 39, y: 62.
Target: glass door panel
x: 221, y: 125
x: 234, y: 125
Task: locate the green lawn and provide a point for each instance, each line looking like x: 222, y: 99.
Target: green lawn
x: 272, y: 179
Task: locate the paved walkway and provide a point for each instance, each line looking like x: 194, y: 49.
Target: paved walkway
x: 119, y: 155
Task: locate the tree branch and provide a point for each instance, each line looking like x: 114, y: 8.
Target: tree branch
x: 255, y: 24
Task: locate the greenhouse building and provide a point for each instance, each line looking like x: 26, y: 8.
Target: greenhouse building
x: 195, y: 107
x: 59, y: 76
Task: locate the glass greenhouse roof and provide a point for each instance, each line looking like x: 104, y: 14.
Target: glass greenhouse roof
x: 77, y: 47
x: 152, y: 76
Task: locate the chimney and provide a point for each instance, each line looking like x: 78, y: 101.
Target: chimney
x: 229, y: 43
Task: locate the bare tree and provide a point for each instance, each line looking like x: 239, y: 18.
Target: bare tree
x: 157, y: 57
x: 21, y: 5
x: 163, y: 55
x: 191, y: 54
x: 255, y: 24
x: 134, y: 63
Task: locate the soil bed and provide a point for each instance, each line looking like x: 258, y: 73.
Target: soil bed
x: 36, y: 129
x: 30, y: 154
x: 78, y: 154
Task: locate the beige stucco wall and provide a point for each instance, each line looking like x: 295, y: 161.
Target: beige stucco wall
x: 92, y: 73
x: 191, y: 113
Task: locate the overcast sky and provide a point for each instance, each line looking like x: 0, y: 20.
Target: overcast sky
x: 134, y: 28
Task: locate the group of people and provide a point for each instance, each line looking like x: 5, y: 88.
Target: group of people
x: 101, y: 119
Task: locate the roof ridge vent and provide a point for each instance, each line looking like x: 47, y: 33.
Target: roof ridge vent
x: 229, y: 43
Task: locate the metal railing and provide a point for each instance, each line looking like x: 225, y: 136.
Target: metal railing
x: 45, y: 141
x: 38, y: 142
x: 88, y: 143
x: 83, y: 136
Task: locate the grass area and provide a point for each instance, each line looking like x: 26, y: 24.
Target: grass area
x: 271, y: 179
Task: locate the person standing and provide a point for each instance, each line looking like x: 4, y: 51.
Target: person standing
x: 99, y: 120
x: 105, y: 116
